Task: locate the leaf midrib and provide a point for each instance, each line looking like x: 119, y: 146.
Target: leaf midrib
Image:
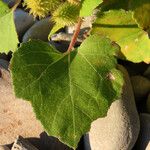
x: 71, y: 98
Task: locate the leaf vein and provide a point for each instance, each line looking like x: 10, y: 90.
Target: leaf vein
x: 83, y: 113
x: 83, y: 56
x: 87, y: 93
x: 71, y: 98
x: 42, y: 74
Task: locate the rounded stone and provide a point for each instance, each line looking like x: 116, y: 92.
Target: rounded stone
x: 4, y: 64
x: 23, y: 21
x: 147, y: 73
x: 120, y: 128
x: 40, y: 30
x: 141, y: 86
x: 148, y: 103
x: 4, y: 147
x: 143, y: 142
x: 16, y: 116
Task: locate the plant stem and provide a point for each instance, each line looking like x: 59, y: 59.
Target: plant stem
x: 16, y: 5
x: 75, y: 35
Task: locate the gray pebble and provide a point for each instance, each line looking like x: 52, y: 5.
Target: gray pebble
x: 4, y: 64
x: 40, y: 30
x: 23, y: 21
x: 22, y: 144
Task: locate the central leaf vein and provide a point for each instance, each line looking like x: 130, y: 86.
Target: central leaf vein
x: 71, y: 98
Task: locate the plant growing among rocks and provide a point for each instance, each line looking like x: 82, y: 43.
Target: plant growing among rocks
x: 68, y: 91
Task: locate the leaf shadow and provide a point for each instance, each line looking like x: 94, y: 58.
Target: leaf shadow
x: 114, y: 26
x: 46, y: 142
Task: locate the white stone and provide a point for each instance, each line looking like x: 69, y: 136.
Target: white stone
x: 120, y: 128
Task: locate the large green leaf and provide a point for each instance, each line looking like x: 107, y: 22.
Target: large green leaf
x: 119, y: 26
x: 4, y: 9
x: 67, y: 91
x: 88, y: 6
x: 141, y: 12
x: 8, y: 35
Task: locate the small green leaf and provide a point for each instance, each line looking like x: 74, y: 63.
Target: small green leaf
x: 141, y: 12
x: 119, y: 26
x: 88, y: 6
x: 8, y: 35
x: 68, y: 91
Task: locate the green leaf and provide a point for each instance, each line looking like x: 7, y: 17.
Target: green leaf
x: 119, y: 26
x: 8, y: 35
x: 67, y: 91
x: 141, y: 12
x: 88, y: 6
x: 4, y: 9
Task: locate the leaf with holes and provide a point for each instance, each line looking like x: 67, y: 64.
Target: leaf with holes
x: 119, y: 26
x: 67, y: 91
x: 8, y: 35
